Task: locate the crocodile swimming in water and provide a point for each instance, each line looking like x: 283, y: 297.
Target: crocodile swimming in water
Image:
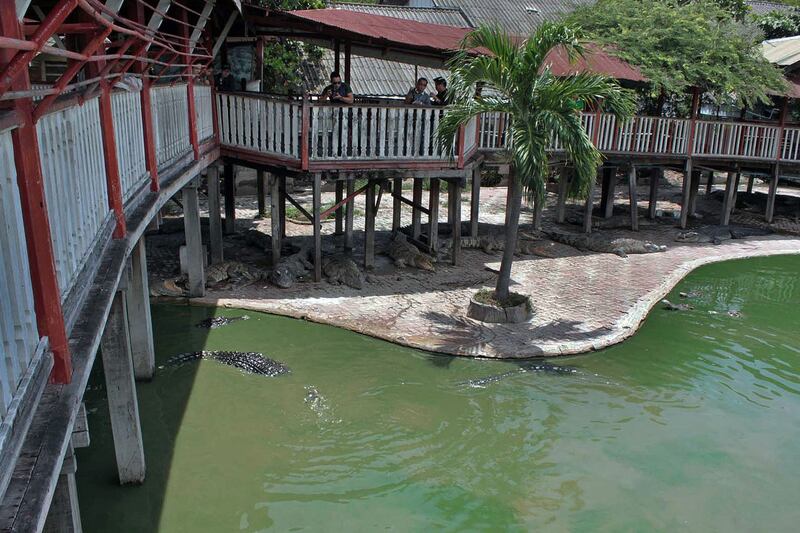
x: 545, y: 368
x: 669, y: 306
x: 249, y: 362
x: 219, y: 321
x: 596, y: 243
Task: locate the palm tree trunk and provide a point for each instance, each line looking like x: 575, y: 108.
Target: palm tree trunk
x: 513, y: 208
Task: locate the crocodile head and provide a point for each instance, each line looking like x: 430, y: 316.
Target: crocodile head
x: 652, y: 247
x: 688, y: 236
x: 282, y: 276
x: 424, y: 262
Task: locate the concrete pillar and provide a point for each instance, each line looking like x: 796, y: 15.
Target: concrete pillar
x: 397, y: 205
x: 369, y: 226
x: 538, y: 209
x: 695, y: 189
x: 727, y: 203
x: 634, y: 199
x: 773, y: 191
x: 315, y: 214
x: 194, y: 244
x: 563, y: 187
x: 214, y: 216
x: 709, y: 182
x: 475, y: 201
x: 339, y: 213
x: 230, y: 199
x: 607, y: 191
x: 416, y: 214
x: 454, y: 210
x: 750, y: 182
x: 655, y: 177
x: 349, y: 214
x: 433, y: 217
x: 685, y: 193
x: 276, y: 223
x: 589, y: 208
x: 736, y: 191
x: 261, y: 194
x: 64, y: 515
x: 282, y: 202
x: 121, y: 391
x: 137, y: 301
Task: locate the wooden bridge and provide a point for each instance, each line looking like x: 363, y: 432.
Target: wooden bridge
x: 85, y: 169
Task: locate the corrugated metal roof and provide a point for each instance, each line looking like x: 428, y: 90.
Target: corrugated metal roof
x: 431, y: 15
x: 594, y: 60
x: 760, y: 8
x: 784, y: 52
x: 520, y: 17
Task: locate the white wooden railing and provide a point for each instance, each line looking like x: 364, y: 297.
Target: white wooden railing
x: 261, y: 124
x: 18, y: 332
x: 73, y: 170
x: 203, y: 112
x: 735, y: 139
x: 170, y: 108
x: 471, y: 136
x: 127, y: 117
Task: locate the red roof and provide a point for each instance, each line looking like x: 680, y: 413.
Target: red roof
x: 442, y: 40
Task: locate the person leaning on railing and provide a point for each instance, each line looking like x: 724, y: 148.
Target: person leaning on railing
x: 417, y: 95
x: 442, y: 97
x: 338, y: 92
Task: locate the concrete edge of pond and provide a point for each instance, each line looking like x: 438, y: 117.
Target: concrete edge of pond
x: 625, y: 325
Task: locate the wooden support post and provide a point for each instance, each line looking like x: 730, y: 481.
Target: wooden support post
x: 282, y: 203
x: 349, y: 214
x: 275, y: 217
x: 214, y: 215
x: 475, y: 201
x: 538, y: 209
x: 369, y: 226
x: 230, y: 199
x: 194, y: 243
x: 416, y: 215
x: 750, y: 182
x: 261, y: 194
x: 687, y: 187
x: 454, y: 208
x: 563, y: 187
x: 339, y: 214
x: 123, y: 406
x: 727, y: 203
x: 607, y: 191
x: 773, y: 190
x: 736, y: 191
x: 710, y: 182
x: 695, y: 189
x: 634, y: 198
x: 397, y: 204
x: 137, y: 302
x: 655, y: 177
x: 315, y: 215
x: 589, y: 208
x: 433, y: 216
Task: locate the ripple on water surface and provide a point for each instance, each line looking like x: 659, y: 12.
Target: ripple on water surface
x: 691, y: 424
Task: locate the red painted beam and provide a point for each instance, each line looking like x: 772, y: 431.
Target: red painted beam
x: 69, y: 28
x: 306, y: 125
x: 113, y: 182
x: 150, y: 160
x: 41, y: 258
x: 193, y: 140
x: 19, y: 63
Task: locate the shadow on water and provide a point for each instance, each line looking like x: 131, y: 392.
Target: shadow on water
x: 141, y: 507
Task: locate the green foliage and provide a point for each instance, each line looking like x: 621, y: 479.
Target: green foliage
x: 540, y: 105
x: 776, y: 24
x: 283, y: 58
x: 679, y: 46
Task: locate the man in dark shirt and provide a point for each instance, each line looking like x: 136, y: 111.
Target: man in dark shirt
x: 441, y: 97
x: 338, y: 92
x: 225, y: 82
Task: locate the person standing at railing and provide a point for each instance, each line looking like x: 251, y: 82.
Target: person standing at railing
x: 441, y: 98
x: 225, y: 82
x: 417, y: 95
x: 338, y: 92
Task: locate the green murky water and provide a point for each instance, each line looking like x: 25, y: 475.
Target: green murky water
x: 694, y: 424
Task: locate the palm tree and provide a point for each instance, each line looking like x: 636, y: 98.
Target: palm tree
x: 517, y: 81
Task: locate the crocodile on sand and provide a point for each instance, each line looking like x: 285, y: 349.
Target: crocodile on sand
x: 406, y: 254
x: 340, y: 269
x: 291, y: 268
x: 596, y: 243
x: 249, y: 362
x: 718, y: 234
x: 526, y: 244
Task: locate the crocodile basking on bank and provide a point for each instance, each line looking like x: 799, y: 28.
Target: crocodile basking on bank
x: 249, y: 362
x: 597, y: 243
x: 291, y: 268
x: 718, y: 234
x: 406, y: 254
x: 340, y: 269
x: 526, y: 244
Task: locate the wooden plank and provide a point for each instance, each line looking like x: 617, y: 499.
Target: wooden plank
x: 317, y: 206
x: 633, y: 198
x: 299, y: 207
x: 433, y: 216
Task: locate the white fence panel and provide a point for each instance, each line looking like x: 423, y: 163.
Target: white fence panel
x: 18, y: 332
x: 127, y: 112
x: 204, y: 113
x: 170, y: 106
x: 73, y: 169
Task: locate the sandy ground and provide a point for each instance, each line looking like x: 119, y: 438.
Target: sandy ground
x: 582, y: 300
